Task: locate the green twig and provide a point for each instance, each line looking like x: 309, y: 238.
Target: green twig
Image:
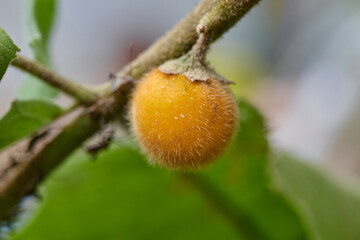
x: 77, y: 91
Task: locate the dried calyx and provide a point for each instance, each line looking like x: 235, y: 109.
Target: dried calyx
x: 193, y: 64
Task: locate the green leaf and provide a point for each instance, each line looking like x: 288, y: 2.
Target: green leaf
x: 328, y: 202
x: 24, y: 118
x: 242, y: 176
x: 121, y: 197
x: 39, y: 19
x: 44, y: 12
x: 7, y: 51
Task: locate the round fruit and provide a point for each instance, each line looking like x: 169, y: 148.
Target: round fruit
x: 182, y: 124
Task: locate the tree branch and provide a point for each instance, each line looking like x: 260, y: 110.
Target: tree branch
x: 224, y: 16
x: 79, y: 92
x: 173, y: 44
x: 183, y: 36
x: 24, y: 165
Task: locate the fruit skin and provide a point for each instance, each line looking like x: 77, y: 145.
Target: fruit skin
x: 182, y: 125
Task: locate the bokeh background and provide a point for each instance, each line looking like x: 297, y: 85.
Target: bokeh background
x: 297, y: 61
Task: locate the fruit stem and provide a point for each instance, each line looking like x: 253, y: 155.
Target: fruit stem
x: 201, y: 47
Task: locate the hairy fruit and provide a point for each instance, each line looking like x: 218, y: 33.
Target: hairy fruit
x: 182, y: 124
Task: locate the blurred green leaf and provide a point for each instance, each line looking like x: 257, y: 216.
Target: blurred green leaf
x: 39, y: 19
x: 7, y: 51
x: 25, y: 117
x: 328, y: 202
x: 239, y: 64
x: 242, y: 175
x: 120, y: 197
x: 44, y: 14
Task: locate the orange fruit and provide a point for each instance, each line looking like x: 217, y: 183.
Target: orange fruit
x: 181, y: 124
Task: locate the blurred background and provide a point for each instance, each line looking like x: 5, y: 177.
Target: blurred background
x: 297, y: 61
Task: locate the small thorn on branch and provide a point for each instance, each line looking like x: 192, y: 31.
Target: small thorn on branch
x: 106, y: 137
